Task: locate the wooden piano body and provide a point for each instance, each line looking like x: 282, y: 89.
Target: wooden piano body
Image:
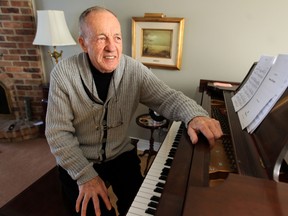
x: 252, y: 187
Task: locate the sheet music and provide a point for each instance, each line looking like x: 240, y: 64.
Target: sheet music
x: 260, y: 117
x: 256, y: 78
x: 267, y: 94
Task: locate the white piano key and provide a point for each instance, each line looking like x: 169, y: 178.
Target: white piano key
x: 144, y: 202
x: 144, y: 195
x: 151, y: 181
x: 137, y: 211
x: 142, y: 199
x: 149, y: 186
x: 132, y: 214
x: 155, y: 173
x: 149, y: 194
x: 140, y: 205
x: 146, y: 190
x: 153, y: 178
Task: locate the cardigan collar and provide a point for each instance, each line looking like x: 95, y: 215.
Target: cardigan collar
x: 87, y: 77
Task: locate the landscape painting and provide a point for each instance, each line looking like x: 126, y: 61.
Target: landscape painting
x: 157, y: 43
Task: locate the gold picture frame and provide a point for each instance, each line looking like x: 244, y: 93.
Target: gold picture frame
x: 157, y: 42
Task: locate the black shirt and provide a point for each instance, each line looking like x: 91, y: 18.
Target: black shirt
x: 102, y: 81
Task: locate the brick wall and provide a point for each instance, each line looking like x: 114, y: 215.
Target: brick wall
x: 21, y: 71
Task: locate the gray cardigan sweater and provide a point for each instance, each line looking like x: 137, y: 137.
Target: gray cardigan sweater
x: 74, y: 123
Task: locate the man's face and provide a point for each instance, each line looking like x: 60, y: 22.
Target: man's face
x: 102, y: 40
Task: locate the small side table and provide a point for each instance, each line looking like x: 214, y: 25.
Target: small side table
x: 147, y: 122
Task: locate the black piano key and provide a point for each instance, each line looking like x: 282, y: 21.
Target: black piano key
x: 155, y: 198
x: 171, y: 154
x: 164, y: 175
x: 173, y: 150
x: 177, y: 138
x: 175, y: 144
x: 164, y: 172
x: 164, y: 178
x: 150, y: 211
x: 159, y: 190
x: 160, y: 184
x: 153, y: 204
x: 168, y: 162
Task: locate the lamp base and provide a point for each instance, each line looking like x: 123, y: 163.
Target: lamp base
x: 55, y: 54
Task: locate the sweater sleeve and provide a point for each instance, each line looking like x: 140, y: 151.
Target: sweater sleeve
x: 168, y: 102
x: 61, y: 134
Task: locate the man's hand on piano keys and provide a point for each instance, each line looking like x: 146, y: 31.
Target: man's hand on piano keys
x: 93, y: 189
x: 209, y: 127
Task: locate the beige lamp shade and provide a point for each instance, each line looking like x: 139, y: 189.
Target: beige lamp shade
x: 52, y: 29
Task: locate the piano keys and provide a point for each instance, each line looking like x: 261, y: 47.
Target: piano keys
x: 146, y: 201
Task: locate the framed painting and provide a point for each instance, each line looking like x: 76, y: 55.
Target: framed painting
x: 157, y: 42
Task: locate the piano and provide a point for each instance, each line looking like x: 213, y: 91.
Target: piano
x: 244, y: 174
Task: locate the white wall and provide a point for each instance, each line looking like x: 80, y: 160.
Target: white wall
x: 221, y: 39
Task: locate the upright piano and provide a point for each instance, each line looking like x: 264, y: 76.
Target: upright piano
x: 244, y: 174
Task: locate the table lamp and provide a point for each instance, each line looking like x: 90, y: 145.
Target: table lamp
x: 52, y: 30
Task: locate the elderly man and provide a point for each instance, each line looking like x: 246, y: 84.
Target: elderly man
x: 92, y: 99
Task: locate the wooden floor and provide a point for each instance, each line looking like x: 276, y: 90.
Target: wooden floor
x: 23, y: 163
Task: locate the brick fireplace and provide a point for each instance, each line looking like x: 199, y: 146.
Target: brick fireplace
x: 21, y: 73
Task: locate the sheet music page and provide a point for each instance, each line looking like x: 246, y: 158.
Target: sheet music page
x: 268, y: 93
x: 260, y: 117
x: 254, y: 81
